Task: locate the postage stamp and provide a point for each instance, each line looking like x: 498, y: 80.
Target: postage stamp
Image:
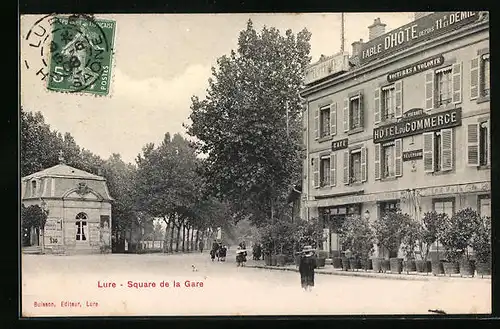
x: 77, y: 54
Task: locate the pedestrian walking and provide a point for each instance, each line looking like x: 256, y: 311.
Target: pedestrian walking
x: 306, y: 268
x: 201, y: 246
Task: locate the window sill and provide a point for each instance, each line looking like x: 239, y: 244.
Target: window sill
x: 388, y: 179
x: 439, y: 173
x: 487, y: 167
x: 325, y: 139
x: 483, y: 99
x: 354, y: 184
x: 355, y: 130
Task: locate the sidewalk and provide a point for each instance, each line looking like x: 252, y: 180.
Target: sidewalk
x: 329, y: 270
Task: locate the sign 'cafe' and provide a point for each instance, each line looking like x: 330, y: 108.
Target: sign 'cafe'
x: 414, y: 125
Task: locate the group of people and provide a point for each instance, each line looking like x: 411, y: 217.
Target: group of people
x: 241, y: 254
x: 218, y: 250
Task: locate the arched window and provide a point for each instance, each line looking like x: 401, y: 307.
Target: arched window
x: 81, y: 223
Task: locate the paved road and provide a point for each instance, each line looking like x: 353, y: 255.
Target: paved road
x: 227, y: 289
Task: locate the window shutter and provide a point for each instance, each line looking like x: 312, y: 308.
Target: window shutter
x: 457, y: 82
x: 378, y: 106
x: 333, y: 119
x: 428, y: 152
x: 333, y: 169
x: 398, y: 86
x: 446, y: 149
x: 488, y: 145
x: 473, y: 144
x: 398, y: 157
x: 316, y: 172
x: 377, y: 161
x: 361, y: 110
x: 474, y: 78
x: 364, y: 165
x: 316, y: 123
x: 429, y: 90
x: 346, y: 114
x: 346, y: 167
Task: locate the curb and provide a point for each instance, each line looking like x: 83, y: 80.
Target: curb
x: 382, y: 276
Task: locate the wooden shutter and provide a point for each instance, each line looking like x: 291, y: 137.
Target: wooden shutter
x: 333, y: 119
x: 446, y: 149
x: 473, y: 144
x: 361, y: 110
x: 457, y: 82
x: 316, y: 123
x: 333, y: 169
x: 429, y: 90
x: 346, y: 167
x: 428, y: 152
x: 488, y: 145
x: 398, y: 86
x: 377, y: 155
x: 346, y: 115
x: 316, y: 172
x: 378, y: 106
x: 474, y: 78
x: 364, y: 165
x: 398, y: 157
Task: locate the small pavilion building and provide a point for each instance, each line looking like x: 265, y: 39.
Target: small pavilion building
x: 79, y: 210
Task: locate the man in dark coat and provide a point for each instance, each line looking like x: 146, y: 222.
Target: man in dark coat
x: 306, y: 267
x: 201, y: 246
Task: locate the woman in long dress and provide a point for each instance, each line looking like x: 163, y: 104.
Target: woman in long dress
x: 306, y: 267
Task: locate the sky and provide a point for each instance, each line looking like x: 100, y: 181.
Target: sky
x: 160, y: 62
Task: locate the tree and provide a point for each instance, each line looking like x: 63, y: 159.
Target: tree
x: 32, y: 216
x: 432, y: 224
x: 253, y: 147
x: 390, y: 229
x: 357, y: 236
x: 458, y: 233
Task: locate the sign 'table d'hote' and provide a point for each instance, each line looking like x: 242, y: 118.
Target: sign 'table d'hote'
x: 326, y: 67
x: 418, y: 125
x: 425, y: 28
x: 416, y: 68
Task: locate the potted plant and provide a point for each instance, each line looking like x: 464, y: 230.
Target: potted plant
x: 481, y: 244
x: 336, y: 261
x: 389, y: 230
x: 412, y: 234
x: 430, y: 229
x: 456, y: 238
x: 320, y: 260
x: 357, y: 236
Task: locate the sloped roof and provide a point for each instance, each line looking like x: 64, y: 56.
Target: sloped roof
x: 63, y: 170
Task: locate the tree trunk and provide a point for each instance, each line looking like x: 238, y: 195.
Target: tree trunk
x: 183, y: 237
x: 165, y: 239
x: 171, y: 242
x: 192, y: 239
x: 178, y: 227
x: 196, y: 243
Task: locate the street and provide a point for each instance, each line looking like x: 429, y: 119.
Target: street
x: 122, y: 285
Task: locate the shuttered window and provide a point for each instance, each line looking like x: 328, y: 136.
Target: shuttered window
x: 364, y: 165
x: 398, y: 157
x: 325, y: 171
x: 316, y: 124
x: 377, y: 155
x: 324, y: 114
x: 377, y: 111
x: 355, y: 166
x: 485, y: 75
x: 355, y: 113
x: 388, y: 102
x: 388, y: 157
x: 438, y: 151
x: 457, y: 83
x: 429, y: 91
x: 478, y: 144
x: 346, y: 173
x: 444, y: 87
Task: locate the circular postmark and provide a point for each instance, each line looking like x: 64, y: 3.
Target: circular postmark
x: 74, y: 51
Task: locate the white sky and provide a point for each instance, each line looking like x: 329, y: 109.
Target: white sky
x: 161, y: 60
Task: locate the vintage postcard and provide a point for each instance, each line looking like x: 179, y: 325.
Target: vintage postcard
x: 255, y: 164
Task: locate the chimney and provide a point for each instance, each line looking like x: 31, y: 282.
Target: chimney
x: 376, y: 29
x: 420, y: 14
x: 356, y: 47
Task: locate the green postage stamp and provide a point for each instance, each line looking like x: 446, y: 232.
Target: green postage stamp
x: 81, y: 54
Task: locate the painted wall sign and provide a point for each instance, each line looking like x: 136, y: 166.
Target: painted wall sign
x: 326, y: 67
x: 415, y: 126
x: 340, y: 144
x: 416, y: 68
x: 425, y: 28
x: 413, y: 155
x: 413, y: 113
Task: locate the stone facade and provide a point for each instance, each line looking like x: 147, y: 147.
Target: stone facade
x: 79, y: 209
x: 340, y: 182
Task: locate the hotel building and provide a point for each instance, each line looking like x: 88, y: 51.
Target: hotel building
x: 402, y: 122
